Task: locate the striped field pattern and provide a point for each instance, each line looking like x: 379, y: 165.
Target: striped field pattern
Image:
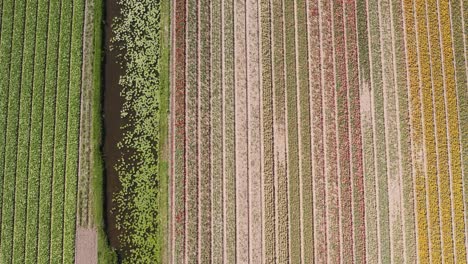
x: 319, y: 131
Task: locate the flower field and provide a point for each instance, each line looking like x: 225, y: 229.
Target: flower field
x: 316, y: 131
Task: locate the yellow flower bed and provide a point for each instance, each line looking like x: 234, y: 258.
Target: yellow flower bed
x: 453, y: 126
x: 416, y: 132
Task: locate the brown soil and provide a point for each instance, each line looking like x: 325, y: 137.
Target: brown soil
x: 112, y: 134
x: 86, y: 246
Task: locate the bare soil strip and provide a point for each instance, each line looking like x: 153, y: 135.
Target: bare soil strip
x: 453, y: 133
x: 254, y: 140
x: 230, y: 228
x: 406, y: 182
x: 305, y: 136
x: 316, y: 81
x: 241, y: 119
x: 86, y: 246
x: 356, y: 160
x: 391, y: 131
x: 269, y: 226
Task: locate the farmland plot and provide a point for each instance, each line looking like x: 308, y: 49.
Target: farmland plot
x: 41, y: 57
x: 343, y: 132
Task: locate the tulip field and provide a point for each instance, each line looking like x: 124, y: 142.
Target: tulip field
x: 233, y: 131
x: 317, y: 131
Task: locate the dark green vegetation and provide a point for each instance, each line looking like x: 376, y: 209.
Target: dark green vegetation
x: 40, y: 73
x: 141, y: 202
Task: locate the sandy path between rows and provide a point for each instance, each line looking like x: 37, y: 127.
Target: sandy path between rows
x: 241, y: 128
x: 254, y: 139
x: 86, y: 246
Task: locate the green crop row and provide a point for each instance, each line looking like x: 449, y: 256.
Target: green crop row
x: 267, y: 128
x: 229, y: 131
x: 292, y: 134
x: 280, y: 125
x: 305, y: 131
x: 24, y: 134
x: 204, y: 118
x: 71, y: 170
x: 48, y: 133
x: 404, y: 129
x: 34, y: 166
x: 10, y: 158
x: 5, y: 56
x: 461, y: 80
x: 217, y: 132
x: 137, y: 208
x: 60, y: 130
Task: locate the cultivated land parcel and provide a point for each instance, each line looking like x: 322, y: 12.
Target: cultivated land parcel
x: 271, y: 131
x: 319, y: 131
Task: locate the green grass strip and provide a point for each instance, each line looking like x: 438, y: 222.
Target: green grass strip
x: 164, y: 158
x: 462, y: 93
x: 22, y: 172
x: 280, y: 118
x: 305, y: 131
x: 5, y: 58
x: 35, y: 146
x: 229, y: 132
x: 14, y: 91
x: 48, y: 133
x: 204, y: 117
x: 268, y: 141
x: 293, y: 141
x: 71, y: 169
x: 60, y: 137
x: 217, y: 132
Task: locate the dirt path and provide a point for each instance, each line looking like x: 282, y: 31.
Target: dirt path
x: 254, y: 137
x: 86, y: 246
x: 241, y: 128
